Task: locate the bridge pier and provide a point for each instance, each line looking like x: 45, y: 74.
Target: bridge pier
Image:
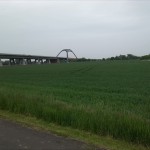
x: 41, y: 61
x: 58, y: 61
x: 28, y: 61
x: 23, y: 62
x: 1, y: 64
x: 38, y: 62
x: 48, y: 61
x: 35, y: 61
x: 17, y: 59
x: 11, y: 61
x: 20, y: 61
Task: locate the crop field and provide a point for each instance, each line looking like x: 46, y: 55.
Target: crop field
x: 110, y: 98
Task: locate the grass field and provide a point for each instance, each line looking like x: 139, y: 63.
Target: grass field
x: 106, y: 98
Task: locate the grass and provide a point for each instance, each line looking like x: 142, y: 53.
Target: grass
x: 104, y: 98
x: 87, y: 137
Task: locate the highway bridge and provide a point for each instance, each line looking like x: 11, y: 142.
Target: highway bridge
x: 18, y: 59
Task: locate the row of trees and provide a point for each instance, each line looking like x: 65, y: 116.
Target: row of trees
x: 146, y: 57
x: 124, y: 57
x: 120, y: 57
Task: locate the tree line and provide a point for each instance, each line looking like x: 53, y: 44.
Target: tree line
x: 120, y: 57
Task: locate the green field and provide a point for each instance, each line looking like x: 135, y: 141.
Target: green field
x: 105, y: 98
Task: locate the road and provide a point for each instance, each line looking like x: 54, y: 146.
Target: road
x: 14, y: 136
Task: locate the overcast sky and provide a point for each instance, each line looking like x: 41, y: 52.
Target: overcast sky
x: 92, y: 29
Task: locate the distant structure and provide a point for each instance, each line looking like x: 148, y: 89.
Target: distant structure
x: 67, y: 51
x: 19, y: 59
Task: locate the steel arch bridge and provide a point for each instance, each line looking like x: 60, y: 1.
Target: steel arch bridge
x: 67, y: 51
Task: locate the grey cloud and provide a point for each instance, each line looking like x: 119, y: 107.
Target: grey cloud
x: 92, y: 28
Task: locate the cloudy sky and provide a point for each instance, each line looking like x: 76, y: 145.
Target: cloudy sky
x: 91, y: 28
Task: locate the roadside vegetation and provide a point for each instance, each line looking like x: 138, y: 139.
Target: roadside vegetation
x: 109, y: 98
x: 103, y: 142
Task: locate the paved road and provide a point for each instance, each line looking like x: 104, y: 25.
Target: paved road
x: 14, y: 136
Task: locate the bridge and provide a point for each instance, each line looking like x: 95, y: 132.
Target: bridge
x: 18, y: 59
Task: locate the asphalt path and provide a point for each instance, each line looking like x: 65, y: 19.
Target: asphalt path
x: 14, y: 136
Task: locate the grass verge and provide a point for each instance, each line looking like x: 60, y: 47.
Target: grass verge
x: 89, y: 138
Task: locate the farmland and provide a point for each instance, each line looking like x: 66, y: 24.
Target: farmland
x: 110, y: 98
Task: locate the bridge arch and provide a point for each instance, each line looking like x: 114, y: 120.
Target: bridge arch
x: 67, y: 51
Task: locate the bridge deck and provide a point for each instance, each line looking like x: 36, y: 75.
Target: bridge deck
x: 20, y: 56
x: 19, y: 59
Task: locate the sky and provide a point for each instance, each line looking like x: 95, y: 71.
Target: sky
x: 91, y: 28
